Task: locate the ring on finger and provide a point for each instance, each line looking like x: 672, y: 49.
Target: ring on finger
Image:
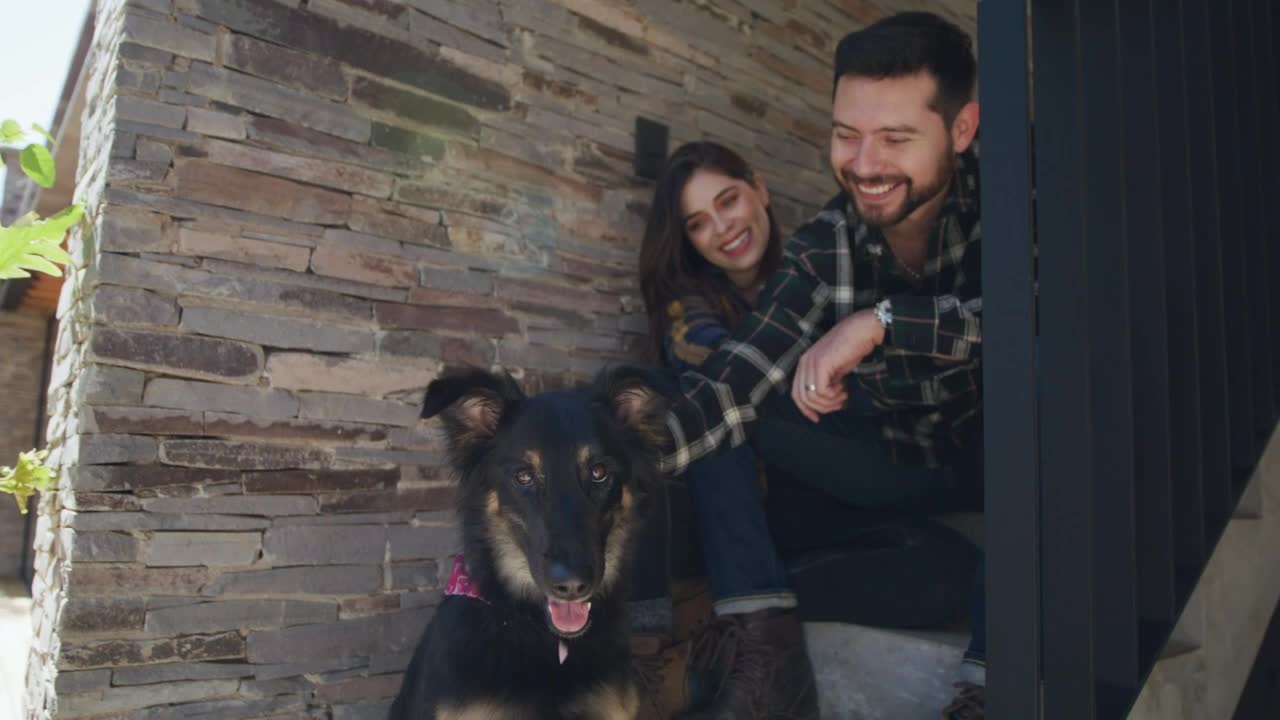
x: 810, y: 387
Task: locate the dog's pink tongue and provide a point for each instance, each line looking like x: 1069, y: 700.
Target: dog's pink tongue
x: 568, y: 617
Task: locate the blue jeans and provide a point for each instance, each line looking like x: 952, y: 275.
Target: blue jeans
x: 843, y: 528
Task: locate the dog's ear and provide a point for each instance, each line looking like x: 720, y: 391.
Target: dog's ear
x: 636, y: 397
x: 471, y: 402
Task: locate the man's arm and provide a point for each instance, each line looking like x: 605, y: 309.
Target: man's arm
x: 718, y: 402
x: 942, y: 326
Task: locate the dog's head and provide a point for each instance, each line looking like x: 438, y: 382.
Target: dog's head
x: 551, y: 485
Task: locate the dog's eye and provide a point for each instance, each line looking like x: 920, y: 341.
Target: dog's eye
x: 524, y: 476
x: 599, y: 472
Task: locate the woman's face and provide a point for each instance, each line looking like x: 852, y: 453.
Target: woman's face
x: 726, y: 221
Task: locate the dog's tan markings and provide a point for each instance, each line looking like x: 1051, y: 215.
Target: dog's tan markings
x: 479, y: 711
x: 534, y: 458
x: 513, y: 566
x: 584, y: 455
x: 607, y: 702
x: 615, y: 547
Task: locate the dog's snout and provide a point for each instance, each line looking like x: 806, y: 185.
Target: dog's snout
x: 565, y: 583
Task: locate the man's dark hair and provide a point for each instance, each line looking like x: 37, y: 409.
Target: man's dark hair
x: 907, y: 43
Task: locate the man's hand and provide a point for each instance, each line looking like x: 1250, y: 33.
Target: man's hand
x: 835, y: 354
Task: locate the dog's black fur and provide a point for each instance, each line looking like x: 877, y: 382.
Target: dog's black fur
x: 550, y: 489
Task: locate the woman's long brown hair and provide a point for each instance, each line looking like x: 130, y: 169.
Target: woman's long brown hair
x: 670, y: 267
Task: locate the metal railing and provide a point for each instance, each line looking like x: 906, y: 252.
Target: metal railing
x: 1131, y: 178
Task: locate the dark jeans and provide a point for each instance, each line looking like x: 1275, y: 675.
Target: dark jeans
x: 841, y: 526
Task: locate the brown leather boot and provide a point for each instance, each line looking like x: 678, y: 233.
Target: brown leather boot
x: 765, y: 669
x: 662, y: 675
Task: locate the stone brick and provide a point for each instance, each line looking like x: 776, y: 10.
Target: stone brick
x: 237, y: 455
x: 170, y: 672
x: 362, y: 711
x: 216, y: 124
x: 140, y: 421
x: 103, y: 449
x: 284, y: 707
x: 431, y: 498
x: 138, y: 477
x: 298, y: 371
x: 184, y: 355
x: 242, y: 249
x: 313, y: 74
x: 361, y: 688
x: 128, y: 230
x: 300, y: 140
x: 75, y: 682
x: 415, y: 576
x: 280, y: 331
x: 531, y: 292
x: 127, y: 521
x: 331, y: 406
x: 361, y: 266
x: 479, y: 321
x: 132, y: 700
x: 325, y: 173
x: 107, y: 385
x: 313, y: 481
x: 334, y: 580
x: 127, y: 306
x: 226, y: 425
x: 150, y: 112
x: 397, y: 222
x: 409, y: 142
x: 359, y: 48
x: 450, y: 350
x: 264, y: 194
x: 87, y: 617
x: 238, y: 615
x: 109, y: 580
x: 182, y: 549
x: 150, y: 151
x: 103, y: 547
x: 98, y: 502
x: 260, y: 505
x: 165, y: 35
x: 304, y: 545
x: 271, y: 99
x: 449, y: 197
x: 367, y: 606
x: 420, y: 109
x: 253, y: 402
x: 417, y: 543
x: 473, y: 283
x: 362, y: 636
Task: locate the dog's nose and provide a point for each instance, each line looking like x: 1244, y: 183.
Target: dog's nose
x: 565, y: 583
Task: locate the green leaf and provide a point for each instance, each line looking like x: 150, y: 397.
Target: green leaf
x: 30, y: 475
x: 10, y: 131
x: 42, y: 131
x: 37, y: 163
x: 33, y: 244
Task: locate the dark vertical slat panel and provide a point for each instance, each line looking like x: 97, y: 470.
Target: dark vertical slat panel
x: 1012, y: 469
x: 1066, y: 426
x: 1214, y: 415
x: 1106, y: 254
x: 1234, y: 198
x: 1181, y: 299
x: 1144, y: 222
x: 1256, y: 69
x: 1270, y: 94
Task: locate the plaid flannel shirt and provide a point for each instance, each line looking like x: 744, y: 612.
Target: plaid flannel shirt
x: 926, y: 378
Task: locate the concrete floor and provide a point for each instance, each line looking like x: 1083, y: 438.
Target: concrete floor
x: 15, y: 628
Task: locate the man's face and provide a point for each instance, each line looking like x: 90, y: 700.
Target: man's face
x: 889, y: 149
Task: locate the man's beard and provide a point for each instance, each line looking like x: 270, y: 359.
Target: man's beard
x: 884, y: 217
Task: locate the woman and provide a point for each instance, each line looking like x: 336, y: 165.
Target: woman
x: 710, y: 245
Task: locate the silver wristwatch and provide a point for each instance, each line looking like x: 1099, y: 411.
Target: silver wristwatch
x: 884, y: 313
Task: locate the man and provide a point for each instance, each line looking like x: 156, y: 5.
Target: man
x: 873, y: 327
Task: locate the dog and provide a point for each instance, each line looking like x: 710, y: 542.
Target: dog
x: 551, y: 491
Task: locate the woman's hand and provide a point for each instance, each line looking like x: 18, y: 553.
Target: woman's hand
x: 817, y: 387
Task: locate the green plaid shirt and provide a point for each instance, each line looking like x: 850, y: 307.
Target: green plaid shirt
x: 926, y: 378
